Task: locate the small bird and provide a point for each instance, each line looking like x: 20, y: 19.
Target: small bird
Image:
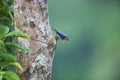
x: 60, y: 35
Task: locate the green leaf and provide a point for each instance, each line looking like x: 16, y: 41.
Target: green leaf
x: 3, y: 7
x: 2, y: 64
x: 2, y: 49
x: 1, y: 42
x: 8, y: 57
x: 2, y: 73
x: 17, y: 65
x: 1, y: 76
x: 6, y: 77
x: 17, y: 34
x: 18, y: 46
x: 9, y: 75
x: 3, y: 30
x: 12, y: 8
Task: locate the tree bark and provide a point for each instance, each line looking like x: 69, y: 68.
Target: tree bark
x: 31, y: 17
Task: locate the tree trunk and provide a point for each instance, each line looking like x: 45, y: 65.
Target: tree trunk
x: 31, y: 17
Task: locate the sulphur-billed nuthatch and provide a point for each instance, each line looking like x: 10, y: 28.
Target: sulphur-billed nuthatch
x: 60, y: 35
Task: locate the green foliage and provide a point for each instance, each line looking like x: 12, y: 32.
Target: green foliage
x: 1, y: 77
x: 9, y: 77
x: 6, y: 43
x: 17, y: 65
x: 3, y: 30
x: 18, y: 46
x: 6, y: 58
x: 17, y: 34
x: 6, y: 11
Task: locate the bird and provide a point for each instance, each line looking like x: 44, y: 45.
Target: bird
x: 60, y: 35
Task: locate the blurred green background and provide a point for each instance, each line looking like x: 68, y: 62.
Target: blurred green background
x: 93, y: 51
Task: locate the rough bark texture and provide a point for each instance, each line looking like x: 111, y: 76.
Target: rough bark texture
x: 31, y: 17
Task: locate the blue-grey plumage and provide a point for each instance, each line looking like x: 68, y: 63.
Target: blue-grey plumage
x: 60, y: 35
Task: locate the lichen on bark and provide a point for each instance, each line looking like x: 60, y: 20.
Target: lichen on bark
x: 31, y: 17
